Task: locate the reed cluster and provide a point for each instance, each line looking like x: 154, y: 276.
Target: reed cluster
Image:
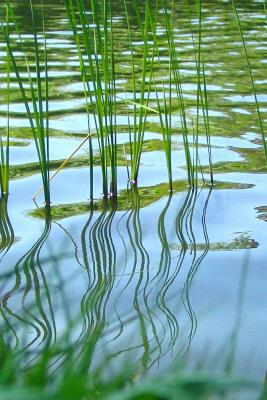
x: 155, y: 84
x: 34, y: 91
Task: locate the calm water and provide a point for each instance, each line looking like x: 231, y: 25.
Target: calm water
x: 156, y: 279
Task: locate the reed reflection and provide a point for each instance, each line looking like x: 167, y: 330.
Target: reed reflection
x: 133, y: 287
x: 135, y: 271
x: 197, y: 257
x: 27, y: 306
x: 7, y: 236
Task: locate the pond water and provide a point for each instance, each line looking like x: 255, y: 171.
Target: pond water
x: 153, y: 278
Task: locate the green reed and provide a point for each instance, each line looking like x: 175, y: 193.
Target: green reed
x: 97, y: 64
x: 96, y: 48
x: 165, y: 102
x: 250, y: 72
x: 164, y: 106
x: 4, y: 142
x: 202, y: 105
x: 177, y: 81
x: 95, y: 39
x: 141, y: 85
x: 36, y: 98
x: 7, y: 236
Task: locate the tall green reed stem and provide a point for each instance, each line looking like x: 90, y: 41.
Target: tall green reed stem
x: 177, y: 81
x: 94, y: 35
x: 141, y: 87
x: 202, y: 95
x: 97, y: 64
x: 4, y: 147
x: 164, y: 105
x: 36, y: 98
x: 250, y: 72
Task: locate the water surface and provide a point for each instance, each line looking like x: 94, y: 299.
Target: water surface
x: 153, y: 278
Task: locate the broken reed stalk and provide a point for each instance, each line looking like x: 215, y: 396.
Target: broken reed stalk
x: 62, y: 165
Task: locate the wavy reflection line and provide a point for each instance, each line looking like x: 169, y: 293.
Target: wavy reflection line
x: 86, y: 261
x: 7, y: 236
x: 159, y: 283
x: 166, y: 278
x: 196, y: 260
x: 95, y: 263
x: 29, y: 268
x: 140, y: 270
x: 149, y: 300
x: 166, y: 275
x: 181, y: 231
x: 140, y: 290
x: 75, y: 246
x: 99, y: 256
x: 147, y: 308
